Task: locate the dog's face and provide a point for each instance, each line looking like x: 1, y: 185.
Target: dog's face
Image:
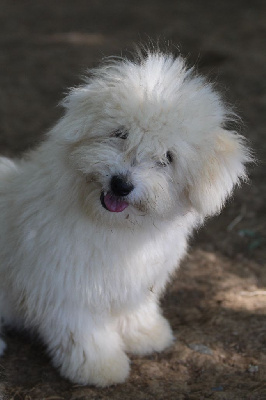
x: 148, y: 140
x: 130, y: 172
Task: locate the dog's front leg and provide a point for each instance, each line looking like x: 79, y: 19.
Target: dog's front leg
x: 145, y: 330
x: 87, y: 353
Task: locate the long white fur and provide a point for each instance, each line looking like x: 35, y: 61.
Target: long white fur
x: 88, y: 280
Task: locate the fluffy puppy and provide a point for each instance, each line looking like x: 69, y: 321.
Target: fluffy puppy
x: 96, y: 219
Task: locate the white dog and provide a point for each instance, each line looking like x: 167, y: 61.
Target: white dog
x: 96, y: 219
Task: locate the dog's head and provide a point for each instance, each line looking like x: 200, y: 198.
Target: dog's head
x: 148, y: 139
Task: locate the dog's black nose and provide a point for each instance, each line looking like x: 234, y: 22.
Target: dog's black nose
x: 120, y: 185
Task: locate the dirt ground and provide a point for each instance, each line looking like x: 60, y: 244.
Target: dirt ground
x: 217, y: 302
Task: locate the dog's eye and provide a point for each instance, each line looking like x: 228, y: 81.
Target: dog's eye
x: 120, y: 133
x: 168, y: 159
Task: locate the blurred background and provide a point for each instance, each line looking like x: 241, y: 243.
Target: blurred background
x: 217, y: 302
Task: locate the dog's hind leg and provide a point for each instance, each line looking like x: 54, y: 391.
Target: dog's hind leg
x: 8, y: 317
x: 2, y: 343
x: 3, y: 320
x: 7, y: 169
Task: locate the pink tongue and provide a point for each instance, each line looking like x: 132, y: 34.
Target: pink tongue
x: 114, y: 204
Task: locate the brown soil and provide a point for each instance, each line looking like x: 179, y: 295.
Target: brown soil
x: 216, y: 304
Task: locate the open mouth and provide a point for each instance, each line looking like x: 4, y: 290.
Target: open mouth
x: 113, y: 203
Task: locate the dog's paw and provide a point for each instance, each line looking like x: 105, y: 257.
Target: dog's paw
x: 99, y: 359
x: 110, y: 371
x: 2, y: 347
x: 144, y: 338
x: 98, y: 370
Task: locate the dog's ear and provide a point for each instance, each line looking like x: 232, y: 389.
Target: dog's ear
x: 222, y: 167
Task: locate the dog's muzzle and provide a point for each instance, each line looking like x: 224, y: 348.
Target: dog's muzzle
x: 114, y: 200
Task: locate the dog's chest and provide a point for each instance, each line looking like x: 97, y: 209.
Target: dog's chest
x: 122, y: 268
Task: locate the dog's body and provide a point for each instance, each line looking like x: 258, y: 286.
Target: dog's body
x: 95, y: 221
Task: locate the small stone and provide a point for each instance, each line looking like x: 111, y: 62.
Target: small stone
x: 218, y: 389
x: 200, y: 348
x: 253, y: 368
